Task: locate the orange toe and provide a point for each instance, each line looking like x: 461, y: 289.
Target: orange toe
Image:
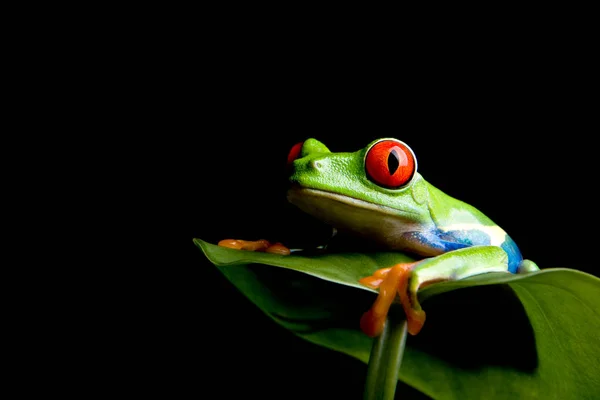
x: 415, y: 321
x: 231, y: 243
x: 278, y: 248
x: 372, y: 324
x: 371, y: 282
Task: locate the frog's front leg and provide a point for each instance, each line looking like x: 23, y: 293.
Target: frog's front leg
x: 407, y: 278
x: 255, y: 245
x: 264, y: 245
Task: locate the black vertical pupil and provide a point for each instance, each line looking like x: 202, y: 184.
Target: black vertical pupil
x: 393, y: 161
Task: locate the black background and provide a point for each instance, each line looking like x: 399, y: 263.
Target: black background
x: 187, y: 124
x: 512, y: 138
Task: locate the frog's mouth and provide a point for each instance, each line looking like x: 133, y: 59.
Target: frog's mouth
x: 382, y: 224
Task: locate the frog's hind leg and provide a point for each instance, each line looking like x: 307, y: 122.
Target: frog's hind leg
x: 406, y: 280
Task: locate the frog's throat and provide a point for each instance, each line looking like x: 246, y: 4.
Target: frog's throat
x: 301, y: 196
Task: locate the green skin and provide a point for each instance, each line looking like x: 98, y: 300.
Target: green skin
x: 334, y: 187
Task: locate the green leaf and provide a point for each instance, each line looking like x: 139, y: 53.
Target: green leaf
x: 490, y: 336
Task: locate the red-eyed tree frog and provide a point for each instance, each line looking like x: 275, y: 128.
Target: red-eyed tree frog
x: 377, y: 194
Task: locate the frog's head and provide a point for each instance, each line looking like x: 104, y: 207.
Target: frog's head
x: 375, y: 191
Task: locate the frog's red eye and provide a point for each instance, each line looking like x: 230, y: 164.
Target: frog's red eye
x: 390, y: 163
x: 294, y: 152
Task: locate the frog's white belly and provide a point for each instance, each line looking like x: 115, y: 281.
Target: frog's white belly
x: 380, y: 224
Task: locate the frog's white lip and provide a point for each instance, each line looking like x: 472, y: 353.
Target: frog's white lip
x: 300, y: 191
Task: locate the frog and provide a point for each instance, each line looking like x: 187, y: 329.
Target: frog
x: 376, y: 194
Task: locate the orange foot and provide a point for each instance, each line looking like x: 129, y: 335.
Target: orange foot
x: 257, y: 245
x: 391, y: 281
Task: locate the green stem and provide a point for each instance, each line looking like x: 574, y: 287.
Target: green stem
x: 386, y: 358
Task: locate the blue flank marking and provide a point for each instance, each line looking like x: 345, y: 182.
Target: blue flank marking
x: 453, y: 240
x: 514, y: 254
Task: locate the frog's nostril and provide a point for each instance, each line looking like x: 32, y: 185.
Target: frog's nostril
x: 317, y: 164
